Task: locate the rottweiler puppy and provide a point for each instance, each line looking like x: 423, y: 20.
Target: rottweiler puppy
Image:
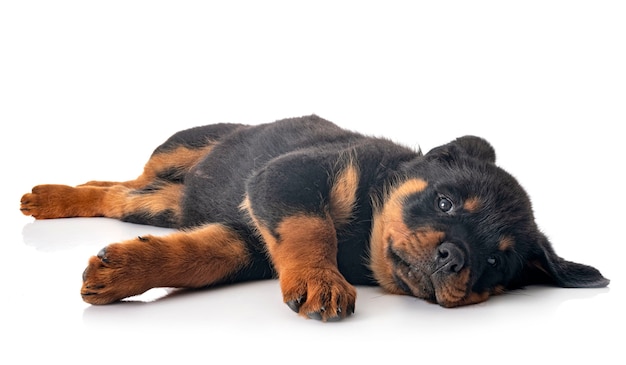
x: 322, y: 209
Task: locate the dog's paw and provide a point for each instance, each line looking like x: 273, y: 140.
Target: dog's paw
x: 322, y: 294
x: 47, y: 201
x: 115, y: 273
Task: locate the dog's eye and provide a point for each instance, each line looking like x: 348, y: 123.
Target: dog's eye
x: 493, y: 261
x: 444, y: 204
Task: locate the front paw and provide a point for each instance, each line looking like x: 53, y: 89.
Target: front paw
x: 322, y: 294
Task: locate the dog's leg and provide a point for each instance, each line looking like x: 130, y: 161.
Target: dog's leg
x: 152, y: 198
x: 304, y: 252
x: 170, y: 166
x: 191, y: 259
x: 159, y: 206
x: 176, y: 156
x: 296, y: 208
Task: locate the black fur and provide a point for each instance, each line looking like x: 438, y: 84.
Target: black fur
x: 286, y: 165
x: 449, y: 226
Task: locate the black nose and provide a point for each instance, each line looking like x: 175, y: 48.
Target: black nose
x: 450, y: 257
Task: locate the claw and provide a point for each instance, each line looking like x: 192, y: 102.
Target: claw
x: 102, y: 255
x: 295, y: 304
x: 315, y: 315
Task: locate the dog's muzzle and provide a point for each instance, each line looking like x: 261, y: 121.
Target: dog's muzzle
x: 442, y: 276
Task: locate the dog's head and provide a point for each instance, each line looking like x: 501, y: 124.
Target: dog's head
x: 457, y: 229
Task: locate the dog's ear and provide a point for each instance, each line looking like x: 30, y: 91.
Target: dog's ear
x: 472, y: 146
x: 546, y: 267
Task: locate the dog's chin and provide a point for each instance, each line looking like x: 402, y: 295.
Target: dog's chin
x: 446, y: 290
x: 416, y: 283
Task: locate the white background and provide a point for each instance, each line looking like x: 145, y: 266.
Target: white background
x: 89, y: 89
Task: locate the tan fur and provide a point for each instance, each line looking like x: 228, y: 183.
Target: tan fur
x: 506, y: 243
x: 454, y: 290
x: 116, y: 201
x: 388, y: 223
x: 472, y: 204
x: 304, y: 253
x: 180, y: 158
x: 343, y: 195
x: 208, y: 254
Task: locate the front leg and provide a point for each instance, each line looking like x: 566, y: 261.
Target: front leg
x: 297, y: 219
x: 304, y: 252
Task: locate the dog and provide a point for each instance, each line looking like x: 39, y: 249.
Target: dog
x: 321, y: 208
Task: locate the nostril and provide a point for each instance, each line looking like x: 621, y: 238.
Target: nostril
x: 450, y: 256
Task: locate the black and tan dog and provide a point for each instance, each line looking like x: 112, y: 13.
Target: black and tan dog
x: 322, y: 209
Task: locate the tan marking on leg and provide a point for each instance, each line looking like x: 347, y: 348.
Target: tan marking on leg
x: 186, y: 259
x: 343, y: 195
x: 304, y: 253
x: 114, y: 199
x: 305, y: 257
x: 305, y: 242
x: 62, y: 201
x: 120, y: 201
x: 181, y: 159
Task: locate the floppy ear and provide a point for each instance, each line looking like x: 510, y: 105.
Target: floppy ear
x: 548, y: 268
x: 472, y: 146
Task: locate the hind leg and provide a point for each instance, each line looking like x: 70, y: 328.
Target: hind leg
x: 159, y: 206
x: 170, y: 166
x: 176, y: 156
x: 153, y: 198
x: 192, y: 259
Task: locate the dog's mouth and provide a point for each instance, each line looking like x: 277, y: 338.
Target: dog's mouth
x: 444, y: 281
x: 412, y: 279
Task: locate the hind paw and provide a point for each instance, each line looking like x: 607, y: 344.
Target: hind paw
x: 113, y: 274
x: 46, y: 201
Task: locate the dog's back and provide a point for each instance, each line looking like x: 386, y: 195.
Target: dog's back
x: 215, y: 188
